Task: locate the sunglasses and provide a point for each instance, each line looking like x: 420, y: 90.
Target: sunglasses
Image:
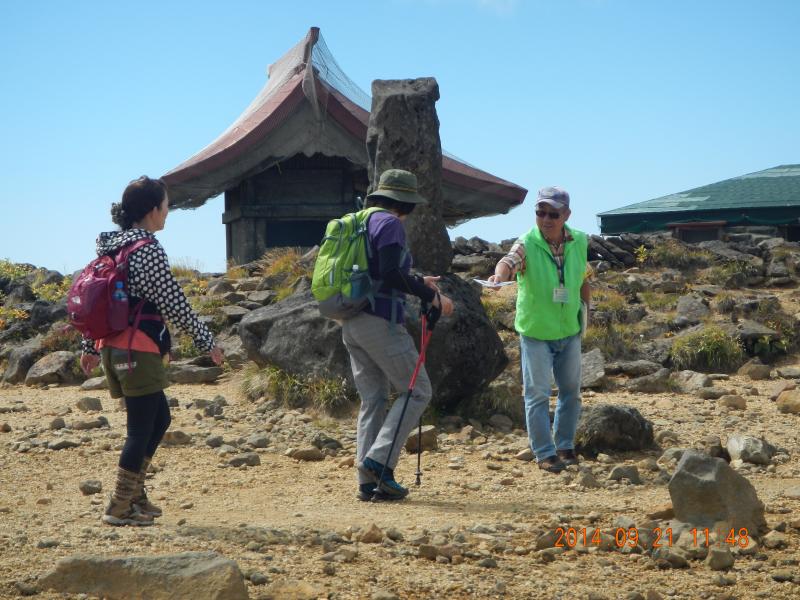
x: 545, y: 213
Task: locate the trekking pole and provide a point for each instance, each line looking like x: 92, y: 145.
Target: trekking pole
x: 428, y: 314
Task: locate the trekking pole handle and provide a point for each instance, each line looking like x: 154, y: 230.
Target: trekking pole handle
x: 431, y: 312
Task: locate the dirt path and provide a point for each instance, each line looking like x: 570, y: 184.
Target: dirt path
x: 309, y: 505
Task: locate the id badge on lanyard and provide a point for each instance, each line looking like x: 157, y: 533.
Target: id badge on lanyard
x: 560, y: 294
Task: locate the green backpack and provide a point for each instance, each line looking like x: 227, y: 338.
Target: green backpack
x: 341, y: 282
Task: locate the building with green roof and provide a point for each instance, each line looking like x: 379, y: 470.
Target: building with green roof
x: 765, y: 199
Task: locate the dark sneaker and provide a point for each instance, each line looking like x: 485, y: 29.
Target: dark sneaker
x: 568, y: 457
x: 387, y: 486
x: 551, y: 464
x: 369, y: 492
x: 366, y: 491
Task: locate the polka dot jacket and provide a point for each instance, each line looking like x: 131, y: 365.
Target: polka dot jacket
x: 150, y: 277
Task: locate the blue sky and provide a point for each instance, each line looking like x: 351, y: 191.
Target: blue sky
x: 618, y: 101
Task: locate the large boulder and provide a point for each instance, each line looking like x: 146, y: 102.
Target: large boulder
x: 465, y: 353
x: 593, y: 369
x: 403, y: 133
x: 607, y: 427
x: 186, y: 576
x: 56, y: 367
x: 21, y: 359
x: 706, y: 491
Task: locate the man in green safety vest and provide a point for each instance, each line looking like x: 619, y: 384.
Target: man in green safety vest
x: 550, y: 266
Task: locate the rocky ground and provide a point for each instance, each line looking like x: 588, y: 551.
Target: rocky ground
x: 480, y: 525
x: 273, y: 488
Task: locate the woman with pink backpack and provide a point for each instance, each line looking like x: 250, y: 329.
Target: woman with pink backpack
x: 135, y: 358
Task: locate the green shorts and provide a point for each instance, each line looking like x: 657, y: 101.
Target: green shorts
x: 147, y: 373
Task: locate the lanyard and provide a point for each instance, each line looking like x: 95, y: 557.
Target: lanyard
x: 559, y: 267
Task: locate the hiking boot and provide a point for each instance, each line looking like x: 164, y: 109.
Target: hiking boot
x: 140, y: 500
x: 369, y: 492
x: 568, y: 457
x: 551, y: 464
x: 120, y: 509
x: 387, y: 486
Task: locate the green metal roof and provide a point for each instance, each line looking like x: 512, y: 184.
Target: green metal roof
x: 773, y: 188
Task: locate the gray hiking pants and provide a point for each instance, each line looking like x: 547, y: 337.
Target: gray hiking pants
x: 382, y: 355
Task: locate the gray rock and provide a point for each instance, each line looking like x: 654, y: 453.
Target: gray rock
x: 214, y: 441
x: 63, y: 444
x: 263, y: 297
x: 629, y: 472
x: 605, y: 427
x: 693, y: 309
x: 308, y: 454
x: 257, y: 440
x: 719, y: 558
x: 636, y: 368
x: 754, y: 369
x: 176, y: 438
x: 186, y: 373
x: 655, y: 383
x: 56, y: 367
x: 21, y: 359
x: 403, y: 133
x: 251, y: 459
x: 186, y: 576
x: 593, y: 369
x: 705, y: 491
x: 788, y: 402
x: 233, y: 314
x: 429, y: 439
x: 95, y: 383
x: 691, y: 381
x: 733, y: 401
x: 90, y: 486
x: 501, y: 423
x: 87, y: 403
x: 711, y: 393
x: 789, y: 372
x: 750, y: 449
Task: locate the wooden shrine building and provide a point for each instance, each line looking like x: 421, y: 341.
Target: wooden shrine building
x: 296, y: 157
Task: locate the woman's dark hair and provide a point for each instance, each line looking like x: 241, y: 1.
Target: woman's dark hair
x: 139, y: 198
x: 401, y: 208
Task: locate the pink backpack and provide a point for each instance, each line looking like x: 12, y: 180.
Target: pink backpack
x: 90, y: 306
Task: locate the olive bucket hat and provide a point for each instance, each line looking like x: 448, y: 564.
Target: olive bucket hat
x: 398, y: 185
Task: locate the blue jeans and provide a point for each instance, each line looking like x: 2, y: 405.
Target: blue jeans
x: 542, y: 359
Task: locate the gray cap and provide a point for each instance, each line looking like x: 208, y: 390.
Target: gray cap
x: 554, y: 196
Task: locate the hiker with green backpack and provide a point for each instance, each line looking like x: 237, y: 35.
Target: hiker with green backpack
x: 361, y: 278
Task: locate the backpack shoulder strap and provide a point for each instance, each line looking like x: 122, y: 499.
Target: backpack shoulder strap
x: 122, y: 255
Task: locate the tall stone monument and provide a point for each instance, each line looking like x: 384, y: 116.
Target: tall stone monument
x: 403, y: 133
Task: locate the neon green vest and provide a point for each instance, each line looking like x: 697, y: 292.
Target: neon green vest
x: 537, y: 315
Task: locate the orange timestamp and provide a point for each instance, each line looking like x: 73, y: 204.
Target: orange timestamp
x: 570, y: 537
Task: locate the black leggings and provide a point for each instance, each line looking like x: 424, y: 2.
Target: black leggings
x: 148, y: 420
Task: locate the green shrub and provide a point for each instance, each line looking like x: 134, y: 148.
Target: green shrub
x: 725, y: 302
x: 615, y: 341
x: 494, y: 304
x: 610, y: 301
x: 329, y: 395
x: 61, y: 337
x: 708, y: 350
x: 10, y: 315
x: 676, y: 255
x: 731, y: 274
x: 13, y: 271
x: 185, y: 268
x: 659, y: 300
x: 52, y: 292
